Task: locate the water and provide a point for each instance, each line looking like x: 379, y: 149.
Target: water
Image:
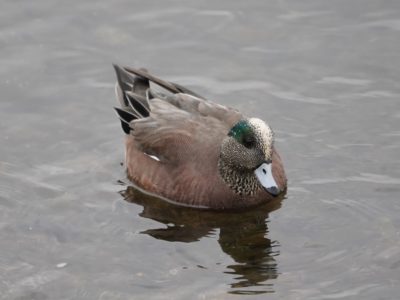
x: 324, y: 74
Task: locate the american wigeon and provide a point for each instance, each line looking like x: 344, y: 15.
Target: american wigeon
x: 193, y: 152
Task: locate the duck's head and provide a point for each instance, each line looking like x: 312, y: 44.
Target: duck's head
x: 246, y: 157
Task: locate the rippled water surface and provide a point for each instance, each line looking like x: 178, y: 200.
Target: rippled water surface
x: 324, y: 74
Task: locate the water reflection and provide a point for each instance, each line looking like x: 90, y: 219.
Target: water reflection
x: 242, y: 235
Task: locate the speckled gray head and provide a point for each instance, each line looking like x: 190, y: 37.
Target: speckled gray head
x: 246, y: 157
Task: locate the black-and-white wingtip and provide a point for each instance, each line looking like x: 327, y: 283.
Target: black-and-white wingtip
x: 131, y: 93
x: 126, y: 117
x: 138, y: 104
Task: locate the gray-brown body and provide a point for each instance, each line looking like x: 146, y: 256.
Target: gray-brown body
x: 184, y: 132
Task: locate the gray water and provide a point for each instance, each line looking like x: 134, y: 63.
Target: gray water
x: 324, y: 74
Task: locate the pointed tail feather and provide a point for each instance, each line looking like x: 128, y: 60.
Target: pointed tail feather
x: 126, y: 117
x: 165, y: 84
x: 131, y: 93
x: 136, y: 104
x: 125, y: 83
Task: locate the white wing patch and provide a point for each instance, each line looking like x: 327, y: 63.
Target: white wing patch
x: 153, y: 157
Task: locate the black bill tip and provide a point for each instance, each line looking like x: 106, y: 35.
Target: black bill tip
x: 273, y: 190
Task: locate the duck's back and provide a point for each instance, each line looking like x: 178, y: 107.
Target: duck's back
x: 173, y: 141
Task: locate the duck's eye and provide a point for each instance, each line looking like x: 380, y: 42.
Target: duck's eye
x: 248, y: 142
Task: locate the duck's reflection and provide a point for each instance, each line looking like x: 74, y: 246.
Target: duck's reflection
x: 242, y: 235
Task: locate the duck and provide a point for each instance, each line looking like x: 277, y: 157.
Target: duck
x: 193, y: 152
